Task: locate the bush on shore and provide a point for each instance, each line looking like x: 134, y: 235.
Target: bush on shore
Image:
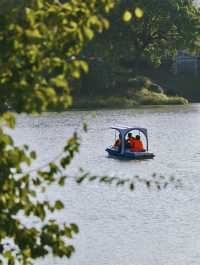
x: 142, y: 97
x: 146, y: 97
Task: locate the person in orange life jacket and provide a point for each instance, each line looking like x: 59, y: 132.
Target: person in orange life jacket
x: 137, y: 145
x: 130, y: 141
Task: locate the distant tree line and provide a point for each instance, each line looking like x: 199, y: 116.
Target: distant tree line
x: 127, y: 49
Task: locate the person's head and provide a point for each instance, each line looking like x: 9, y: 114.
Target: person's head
x: 137, y: 137
x: 129, y: 135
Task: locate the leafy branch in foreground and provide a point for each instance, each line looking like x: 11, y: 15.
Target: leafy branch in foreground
x: 156, y: 181
x: 40, y: 44
x: 19, y: 197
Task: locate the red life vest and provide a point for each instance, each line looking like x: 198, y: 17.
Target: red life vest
x: 131, y: 141
x: 117, y: 143
x: 137, y: 146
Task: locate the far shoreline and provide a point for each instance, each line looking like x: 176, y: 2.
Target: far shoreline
x: 144, y: 98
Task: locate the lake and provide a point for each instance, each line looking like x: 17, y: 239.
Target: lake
x: 119, y: 227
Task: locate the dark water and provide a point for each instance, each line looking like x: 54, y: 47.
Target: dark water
x: 116, y: 226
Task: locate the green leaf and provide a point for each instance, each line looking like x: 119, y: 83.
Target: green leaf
x: 9, y: 119
x: 65, y: 161
x: 53, y: 168
x: 33, y: 155
x: 40, y: 4
x: 6, y: 139
x: 68, y: 232
x: 84, y: 66
x: 34, y: 33
x: 85, y: 127
x: 127, y: 16
x: 92, y: 178
x: 88, y: 33
x: 59, y: 205
x: 61, y: 181
x: 139, y: 13
x: 59, y: 81
x: 7, y: 254
x: 76, y: 74
x: 74, y: 228
x: 80, y: 179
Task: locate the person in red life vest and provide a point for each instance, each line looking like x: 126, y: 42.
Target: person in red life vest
x: 130, y: 141
x: 137, y: 145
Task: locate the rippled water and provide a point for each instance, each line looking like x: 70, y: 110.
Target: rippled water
x: 117, y: 226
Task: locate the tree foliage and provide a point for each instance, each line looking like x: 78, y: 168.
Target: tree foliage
x: 39, y: 46
x: 142, y: 35
x: 40, y: 43
x: 153, y: 30
x: 166, y: 27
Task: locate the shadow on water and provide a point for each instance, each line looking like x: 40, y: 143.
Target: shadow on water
x: 128, y: 160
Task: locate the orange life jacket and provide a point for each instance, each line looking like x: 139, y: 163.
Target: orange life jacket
x: 117, y: 143
x: 137, y: 146
x: 131, y: 141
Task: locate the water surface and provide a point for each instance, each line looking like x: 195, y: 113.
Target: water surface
x: 118, y: 227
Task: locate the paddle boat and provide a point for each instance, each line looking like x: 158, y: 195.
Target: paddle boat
x: 124, y: 152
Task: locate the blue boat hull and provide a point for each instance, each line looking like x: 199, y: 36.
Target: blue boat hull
x: 129, y: 155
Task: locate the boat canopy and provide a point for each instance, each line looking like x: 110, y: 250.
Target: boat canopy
x: 124, y: 130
